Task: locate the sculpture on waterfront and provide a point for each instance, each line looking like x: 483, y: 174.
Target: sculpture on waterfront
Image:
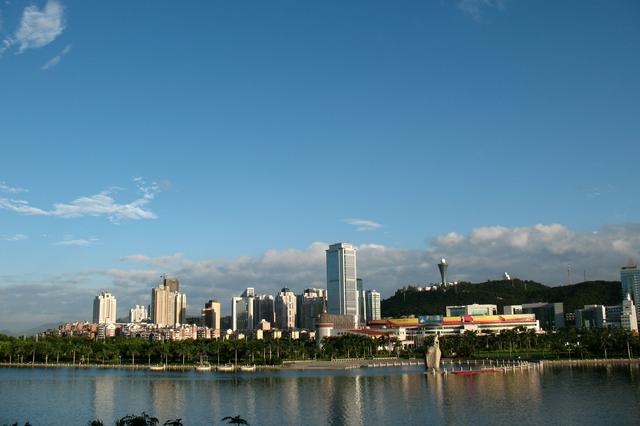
x: 432, y: 355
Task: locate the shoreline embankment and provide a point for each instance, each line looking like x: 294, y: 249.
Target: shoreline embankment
x: 336, y: 364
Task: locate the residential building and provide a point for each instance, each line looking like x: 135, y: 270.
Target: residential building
x: 168, y: 305
x: 286, y: 309
x: 242, y: 310
x: 263, y: 309
x: 373, y: 305
x: 342, y: 286
x: 211, y: 314
x: 138, y: 314
x: 310, y: 304
x: 104, y: 308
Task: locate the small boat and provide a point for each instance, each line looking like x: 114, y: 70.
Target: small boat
x: 247, y: 368
x: 157, y: 367
x: 226, y: 368
x: 204, y: 367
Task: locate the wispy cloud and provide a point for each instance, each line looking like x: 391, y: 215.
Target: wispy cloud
x: 363, y: 225
x: 14, y: 237
x: 4, y: 187
x: 101, y: 204
x: 476, y: 8
x: 68, y: 240
x: 56, y: 59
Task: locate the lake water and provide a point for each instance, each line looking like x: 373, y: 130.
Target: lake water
x: 374, y: 396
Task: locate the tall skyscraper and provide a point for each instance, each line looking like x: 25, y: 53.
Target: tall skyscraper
x: 630, y: 278
x: 104, y: 308
x: 138, y: 314
x: 342, y: 286
x: 168, y: 305
x: 286, y: 309
x: 373, y: 305
x: 211, y: 314
x: 443, y: 266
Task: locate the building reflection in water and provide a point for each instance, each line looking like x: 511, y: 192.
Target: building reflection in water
x: 103, y: 396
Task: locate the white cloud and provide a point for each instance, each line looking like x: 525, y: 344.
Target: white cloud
x: 68, y: 240
x: 363, y: 225
x: 101, y: 204
x: 475, y: 8
x: 538, y: 252
x: 56, y: 59
x: 4, y: 187
x: 14, y: 237
x: 39, y: 27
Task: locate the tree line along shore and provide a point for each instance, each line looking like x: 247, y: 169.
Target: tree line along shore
x: 564, y: 344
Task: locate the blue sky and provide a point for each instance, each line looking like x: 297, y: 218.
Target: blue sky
x: 239, y: 129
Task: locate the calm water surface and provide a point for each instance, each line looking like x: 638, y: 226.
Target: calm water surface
x: 383, y: 396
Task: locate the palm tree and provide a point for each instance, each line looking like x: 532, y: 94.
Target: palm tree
x: 142, y: 420
x: 235, y: 420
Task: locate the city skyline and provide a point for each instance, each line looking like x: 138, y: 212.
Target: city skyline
x: 203, y: 142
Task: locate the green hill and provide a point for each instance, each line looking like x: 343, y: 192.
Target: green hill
x: 410, y: 301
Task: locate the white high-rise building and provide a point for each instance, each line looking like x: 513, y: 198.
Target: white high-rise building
x: 342, y: 286
x: 286, y: 309
x: 373, y: 305
x: 629, y: 317
x: 242, y: 310
x: 104, y: 308
x: 138, y: 314
x: 168, y: 305
x: 630, y: 278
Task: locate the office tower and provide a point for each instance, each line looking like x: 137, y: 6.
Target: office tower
x: 342, y: 288
x: 168, y: 305
x: 311, y: 303
x: 242, y: 310
x: 263, y: 309
x: 591, y: 316
x: 373, y: 305
x: 211, y: 314
x: 362, y: 302
x: 630, y: 278
x: 629, y: 316
x: 138, y: 314
x: 286, y: 309
x: 104, y: 308
x: 550, y: 315
x: 443, y: 266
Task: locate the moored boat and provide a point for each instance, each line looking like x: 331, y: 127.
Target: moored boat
x: 157, y: 367
x: 247, y: 368
x: 226, y: 368
x: 204, y: 367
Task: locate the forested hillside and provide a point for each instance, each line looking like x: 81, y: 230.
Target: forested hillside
x: 408, y: 301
